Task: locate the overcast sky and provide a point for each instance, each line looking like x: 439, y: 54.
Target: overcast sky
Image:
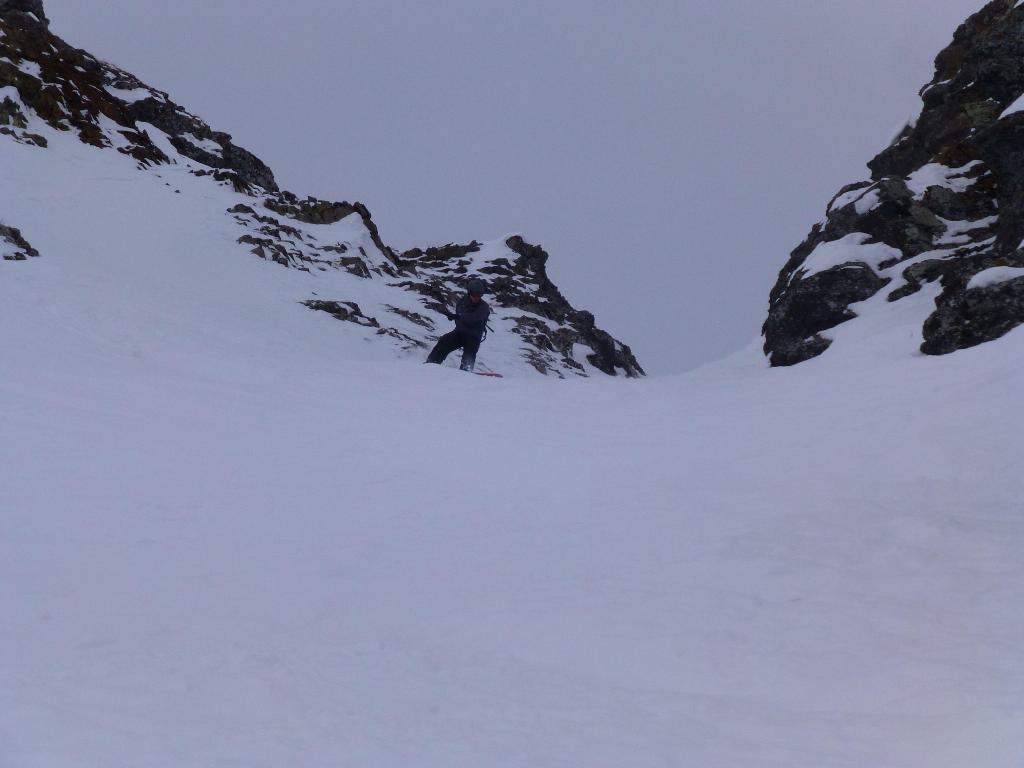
x: 668, y: 154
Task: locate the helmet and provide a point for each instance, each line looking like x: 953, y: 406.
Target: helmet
x: 476, y: 285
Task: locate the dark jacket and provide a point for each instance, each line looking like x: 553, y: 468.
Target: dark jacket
x: 470, y: 318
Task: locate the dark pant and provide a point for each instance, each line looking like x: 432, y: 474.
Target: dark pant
x: 452, y: 341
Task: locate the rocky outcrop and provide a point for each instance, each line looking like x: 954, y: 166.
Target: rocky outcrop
x: 550, y: 327
x: 555, y: 338
x: 557, y: 326
x: 944, y: 203
x: 70, y: 90
x: 25, y: 12
x: 14, y: 247
x: 430, y: 281
x: 194, y: 139
x: 313, y: 211
x: 399, y: 299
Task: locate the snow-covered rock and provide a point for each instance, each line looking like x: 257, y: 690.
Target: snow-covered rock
x: 50, y: 91
x: 945, y: 202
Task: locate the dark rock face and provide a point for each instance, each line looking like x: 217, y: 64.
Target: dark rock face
x: 947, y: 196
x: 14, y: 247
x: 968, y: 318
x: 71, y: 90
x: 813, y: 305
x: 19, y: 10
x: 187, y: 132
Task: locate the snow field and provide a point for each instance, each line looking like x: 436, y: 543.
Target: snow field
x: 235, y: 533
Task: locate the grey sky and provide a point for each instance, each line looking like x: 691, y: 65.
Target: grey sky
x: 668, y: 155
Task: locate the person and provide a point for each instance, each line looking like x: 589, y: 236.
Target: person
x: 470, y: 317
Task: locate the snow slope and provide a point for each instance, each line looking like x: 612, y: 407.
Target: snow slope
x: 399, y: 300
x: 234, y: 533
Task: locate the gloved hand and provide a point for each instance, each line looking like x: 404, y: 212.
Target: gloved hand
x: 453, y: 317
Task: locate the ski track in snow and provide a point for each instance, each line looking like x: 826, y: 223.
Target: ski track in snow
x: 236, y: 533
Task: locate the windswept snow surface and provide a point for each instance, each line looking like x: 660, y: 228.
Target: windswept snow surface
x: 938, y: 175
x: 851, y: 249
x: 133, y: 95
x: 234, y: 534
x: 994, y: 276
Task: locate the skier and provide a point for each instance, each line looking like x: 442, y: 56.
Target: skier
x: 470, y: 317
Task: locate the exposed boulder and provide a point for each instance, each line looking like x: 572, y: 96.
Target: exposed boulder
x: 814, y: 305
x: 14, y: 247
x: 966, y: 318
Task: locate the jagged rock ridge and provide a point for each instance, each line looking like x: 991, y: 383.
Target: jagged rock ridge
x: 47, y: 86
x: 43, y: 77
x: 944, y: 208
